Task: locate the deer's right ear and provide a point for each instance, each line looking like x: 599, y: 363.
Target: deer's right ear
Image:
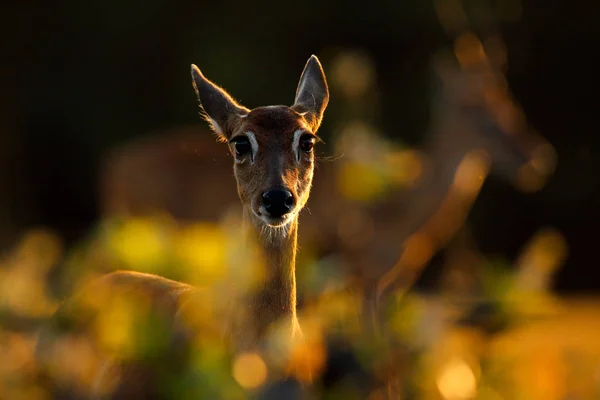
x: 220, y: 109
x: 312, y: 94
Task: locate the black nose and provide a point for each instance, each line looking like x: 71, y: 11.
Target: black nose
x: 278, y: 202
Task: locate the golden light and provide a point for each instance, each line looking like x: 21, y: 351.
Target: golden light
x: 405, y: 320
x: 198, y: 311
x: 541, y: 257
x: 543, y: 375
x: 360, y: 181
x: 457, y: 381
x: 245, y: 262
x: 25, y: 292
x: 249, y: 370
x: 472, y: 172
x: 307, y: 353
x: 140, y: 242
x: 419, y: 249
x: 30, y: 392
x: 337, y: 309
x: 546, y: 249
x: 117, y: 321
x: 74, y: 360
x: 469, y: 50
x: 24, y: 273
x: 17, y: 352
x: 202, y: 249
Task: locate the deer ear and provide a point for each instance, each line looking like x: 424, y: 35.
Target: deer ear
x: 312, y: 94
x: 220, y: 109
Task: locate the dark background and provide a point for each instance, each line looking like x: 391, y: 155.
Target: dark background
x: 78, y: 77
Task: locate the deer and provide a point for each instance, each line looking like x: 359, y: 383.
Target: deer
x: 467, y: 141
x: 508, y: 148
x: 273, y: 165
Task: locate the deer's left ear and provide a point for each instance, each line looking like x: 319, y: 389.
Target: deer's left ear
x: 312, y: 94
x: 221, y: 110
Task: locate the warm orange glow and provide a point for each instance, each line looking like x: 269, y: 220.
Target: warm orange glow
x: 469, y: 50
x: 555, y: 355
x: 443, y: 224
x: 307, y: 359
x: 419, y: 249
x: 457, y: 381
x: 24, y: 291
x: 472, y: 172
x: 544, y: 253
x: 546, y: 376
x: 82, y: 362
x: 408, y: 280
x: 198, y: 312
x: 17, y: 354
x: 249, y: 370
x: 23, y: 274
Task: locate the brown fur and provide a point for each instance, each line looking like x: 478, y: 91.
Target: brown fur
x: 275, y: 164
x: 243, y: 318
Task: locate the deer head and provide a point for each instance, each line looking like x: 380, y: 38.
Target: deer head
x: 272, y: 146
x: 474, y: 101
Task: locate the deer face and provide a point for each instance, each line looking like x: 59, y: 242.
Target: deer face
x: 272, y: 146
x: 273, y: 153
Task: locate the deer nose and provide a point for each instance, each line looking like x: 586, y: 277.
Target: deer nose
x: 278, y: 202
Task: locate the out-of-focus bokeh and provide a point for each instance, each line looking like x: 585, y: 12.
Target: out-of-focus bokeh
x: 454, y: 201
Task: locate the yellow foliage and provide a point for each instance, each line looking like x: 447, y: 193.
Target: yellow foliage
x: 202, y: 251
x: 141, y: 243
x: 359, y: 181
x: 249, y: 370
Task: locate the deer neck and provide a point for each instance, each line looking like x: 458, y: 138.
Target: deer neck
x: 444, y: 151
x: 273, y: 299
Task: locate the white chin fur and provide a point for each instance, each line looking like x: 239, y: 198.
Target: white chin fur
x: 276, y: 224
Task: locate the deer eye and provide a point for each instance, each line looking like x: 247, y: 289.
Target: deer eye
x: 242, y: 146
x: 307, y: 142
